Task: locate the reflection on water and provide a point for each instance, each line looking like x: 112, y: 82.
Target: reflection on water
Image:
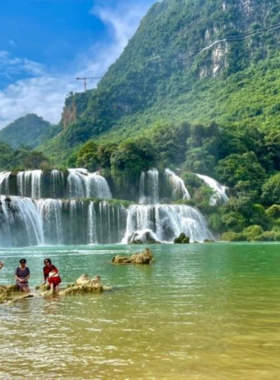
x: 200, y: 312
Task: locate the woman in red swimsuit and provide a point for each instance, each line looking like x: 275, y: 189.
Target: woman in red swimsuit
x: 51, y: 275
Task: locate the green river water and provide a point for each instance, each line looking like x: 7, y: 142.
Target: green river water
x: 209, y: 312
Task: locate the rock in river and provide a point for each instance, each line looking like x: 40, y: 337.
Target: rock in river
x: 144, y: 257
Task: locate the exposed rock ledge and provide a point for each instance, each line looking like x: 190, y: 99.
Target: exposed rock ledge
x: 144, y: 257
x: 84, y: 284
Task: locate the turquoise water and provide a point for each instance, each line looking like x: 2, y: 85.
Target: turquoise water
x: 199, y: 312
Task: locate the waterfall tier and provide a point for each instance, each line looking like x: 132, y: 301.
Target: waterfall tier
x: 27, y: 222
x: 219, y: 195
x: 153, y: 187
x: 177, y: 186
x: 149, y: 187
x: 166, y: 222
x: 76, y: 183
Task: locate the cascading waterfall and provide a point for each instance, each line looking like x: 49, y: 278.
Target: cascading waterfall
x: 78, y: 183
x: 4, y: 183
x: 50, y: 212
x: 92, y: 233
x: 42, y: 216
x: 30, y: 183
x: 166, y: 222
x: 97, y: 187
x: 82, y: 184
x: 149, y: 187
x: 57, y: 184
x: 219, y: 195
x: 178, y: 188
x: 20, y: 222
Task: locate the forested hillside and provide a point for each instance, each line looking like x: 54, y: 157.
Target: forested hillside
x: 196, y: 90
x: 193, y: 61
x: 30, y: 130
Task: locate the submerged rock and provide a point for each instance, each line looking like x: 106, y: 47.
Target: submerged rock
x: 84, y: 284
x: 10, y: 293
x: 207, y: 241
x: 144, y: 257
x: 182, y: 239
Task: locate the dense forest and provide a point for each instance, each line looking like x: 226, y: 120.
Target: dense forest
x: 30, y: 130
x: 196, y: 90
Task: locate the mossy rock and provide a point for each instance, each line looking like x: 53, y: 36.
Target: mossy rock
x: 182, y: 239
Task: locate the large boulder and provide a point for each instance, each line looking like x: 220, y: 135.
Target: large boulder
x: 84, y: 284
x: 182, y: 239
x: 144, y: 257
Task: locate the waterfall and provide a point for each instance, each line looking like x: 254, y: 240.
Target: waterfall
x: 57, y: 184
x: 29, y: 183
x: 40, y: 214
x: 97, y: 187
x: 166, y: 222
x: 178, y: 188
x: 111, y: 223
x: 4, y: 183
x: 92, y: 234
x: 76, y: 184
x: 82, y: 184
x: 149, y: 187
x: 50, y: 211
x: 219, y: 195
x: 20, y: 222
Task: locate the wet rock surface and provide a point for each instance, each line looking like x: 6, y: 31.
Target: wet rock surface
x: 145, y: 257
x: 84, y: 284
x: 182, y: 239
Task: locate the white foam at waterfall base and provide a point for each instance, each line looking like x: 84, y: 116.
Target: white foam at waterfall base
x: 219, y: 190
x: 179, y: 190
x: 167, y: 222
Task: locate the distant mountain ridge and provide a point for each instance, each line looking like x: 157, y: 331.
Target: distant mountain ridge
x: 191, y: 60
x: 30, y: 130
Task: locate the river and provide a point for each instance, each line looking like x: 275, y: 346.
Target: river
x: 201, y: 311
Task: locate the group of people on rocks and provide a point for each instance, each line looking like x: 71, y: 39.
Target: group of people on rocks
x: 22, y: 275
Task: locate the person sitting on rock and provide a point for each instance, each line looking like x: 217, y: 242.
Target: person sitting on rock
x: 22, y: 275
x: 51, y: 275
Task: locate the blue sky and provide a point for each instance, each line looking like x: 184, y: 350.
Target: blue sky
x: 46, y: 44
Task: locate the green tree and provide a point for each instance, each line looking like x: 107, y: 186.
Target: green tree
x: 271, y: 191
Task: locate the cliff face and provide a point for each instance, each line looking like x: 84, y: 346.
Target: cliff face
x: 179, y: 44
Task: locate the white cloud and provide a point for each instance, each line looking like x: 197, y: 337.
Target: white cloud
x: 43, y: 92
